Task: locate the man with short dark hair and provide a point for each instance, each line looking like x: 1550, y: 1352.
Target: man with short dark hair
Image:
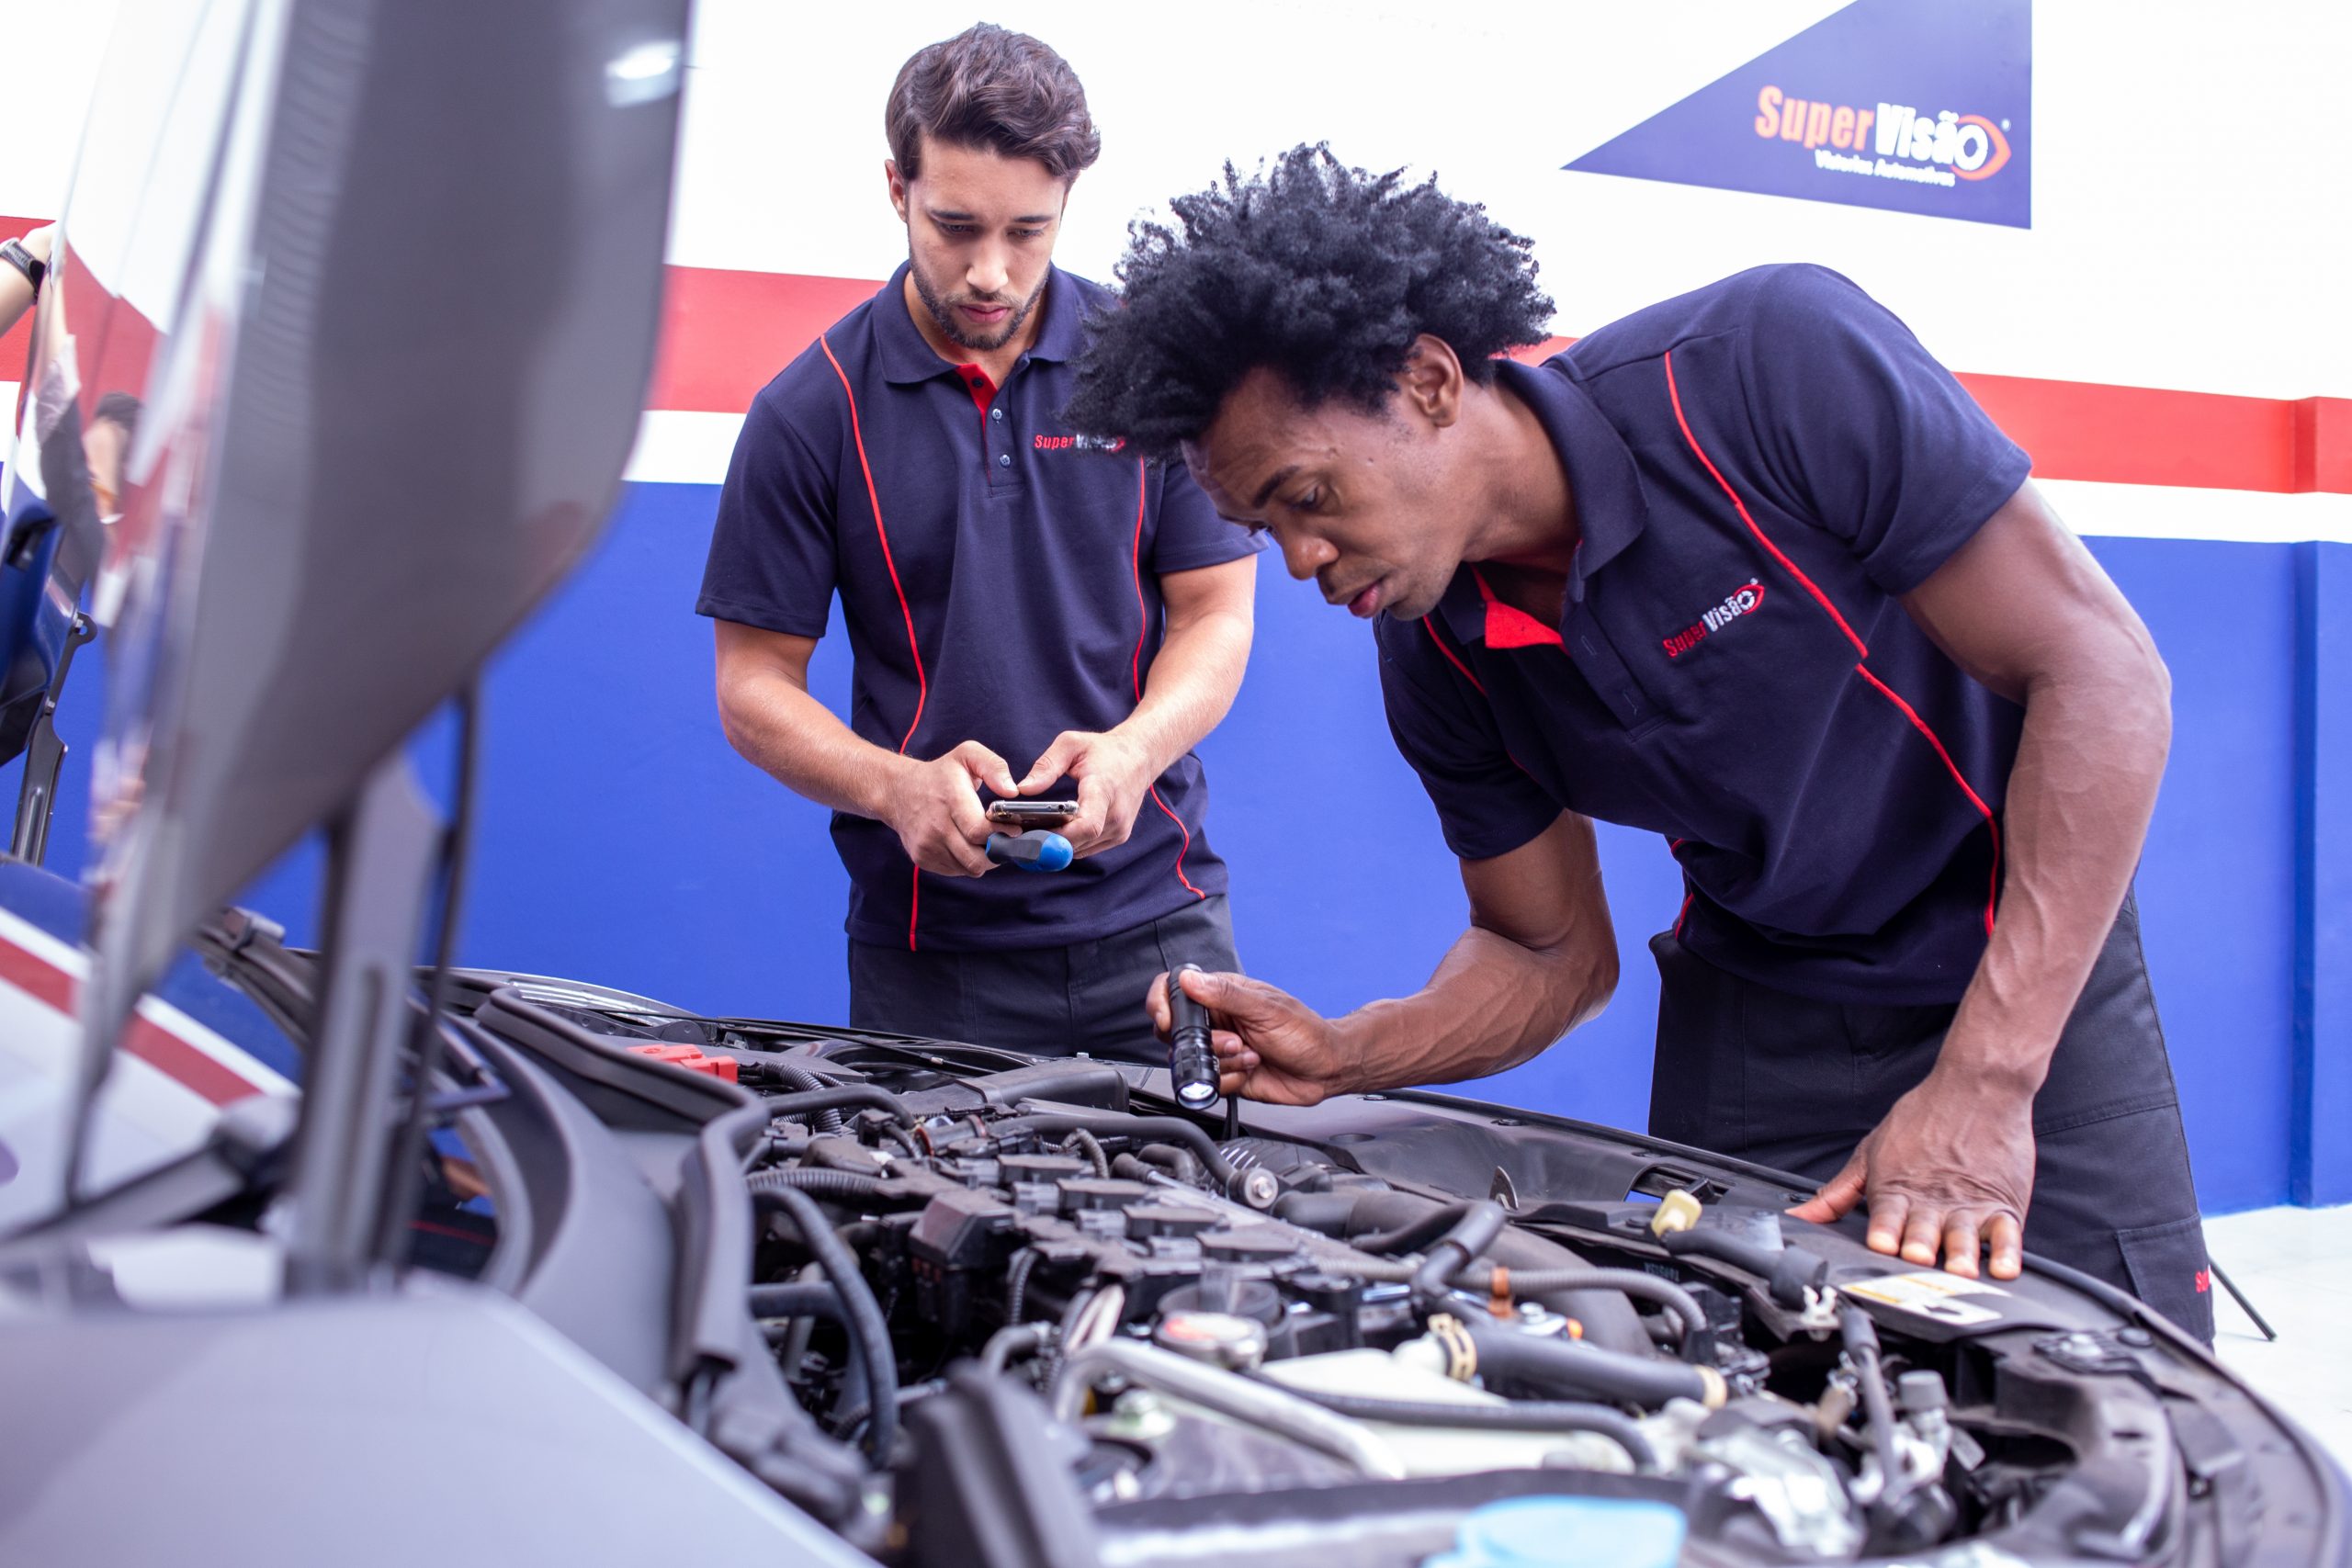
x: 1748, y: 568
x: 1033, y: 613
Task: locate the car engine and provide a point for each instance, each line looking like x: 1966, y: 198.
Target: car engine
x: 1042, y: 1304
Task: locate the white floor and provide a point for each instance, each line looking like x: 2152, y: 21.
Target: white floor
x: 2295, y: 1266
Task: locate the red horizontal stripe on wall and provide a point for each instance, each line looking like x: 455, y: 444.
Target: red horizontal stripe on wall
x: 17, y: 341
x: 2080, y: 430
x: 143, y: 1037
x: 725, y: 334
x: 2143, y: 436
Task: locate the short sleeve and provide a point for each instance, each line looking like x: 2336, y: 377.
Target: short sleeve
x: 1486, y: 804
x: 772, y: 560
x: 1190, y: 533
x: 1883, y: 447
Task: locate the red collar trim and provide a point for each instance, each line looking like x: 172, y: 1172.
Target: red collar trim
x: 1510, y: 628
x: 983, y: 390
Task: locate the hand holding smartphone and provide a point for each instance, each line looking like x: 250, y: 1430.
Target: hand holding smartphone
x: 1022, y: 815
x: 1028, y: 840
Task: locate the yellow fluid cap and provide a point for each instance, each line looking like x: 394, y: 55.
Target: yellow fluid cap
x: 1677, y: 1210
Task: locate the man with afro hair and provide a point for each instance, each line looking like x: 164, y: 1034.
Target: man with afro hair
x: 1748, y: 568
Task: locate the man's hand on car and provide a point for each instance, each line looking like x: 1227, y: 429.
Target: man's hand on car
x: 934, y: 807
x: 1270, y: 1045
x: 1948, y: 1172
x: 1112, y: 776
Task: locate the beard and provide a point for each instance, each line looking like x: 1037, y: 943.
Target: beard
x: 943, y: 314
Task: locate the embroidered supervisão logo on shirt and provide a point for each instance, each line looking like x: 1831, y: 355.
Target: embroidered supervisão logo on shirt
x: 1078, y: 442
x: 1740, y: 601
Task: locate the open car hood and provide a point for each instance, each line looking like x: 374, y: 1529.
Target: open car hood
x: 379, y: 281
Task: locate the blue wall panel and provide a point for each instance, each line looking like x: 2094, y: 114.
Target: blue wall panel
x: 2217, y: 884
x: 2321, y: 1141
x: 621, y: 839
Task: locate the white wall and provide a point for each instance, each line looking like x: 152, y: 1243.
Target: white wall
x: 2191, y: 207
x: 2190, y: 204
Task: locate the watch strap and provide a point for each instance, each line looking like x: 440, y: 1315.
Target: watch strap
x: 24, y: 261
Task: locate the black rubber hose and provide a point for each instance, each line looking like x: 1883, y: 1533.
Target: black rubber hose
x: 815, y: 1178
x: 1607, y: 1317
x: 1413, y: 1235
x: 838, y: 1097
x: 1861, y: 1348
x: 1681, y: 1307
x: 1109, y: 1123
x: 1177, y: 1162
x: 1069, y: 1083
x: 1468, y: 1237
x: 812, y: 1299
x: 801, y: 1079
x: 866, y: 1324
x: 1016, y: 1285
x: 1009, y: 1341
x: 1325, y: 1214
x: 1090, y: 1149
x: 1789, y: 1273
x: 1574, y: 1369
x: 1523, y: 1415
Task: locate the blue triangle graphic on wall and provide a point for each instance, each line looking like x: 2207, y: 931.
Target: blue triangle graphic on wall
x: 1913, y: 105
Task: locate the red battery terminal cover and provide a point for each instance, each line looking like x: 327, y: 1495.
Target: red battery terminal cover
x: 689, y: 1058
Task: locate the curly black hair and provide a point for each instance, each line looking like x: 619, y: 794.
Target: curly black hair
x: 1323, y: 273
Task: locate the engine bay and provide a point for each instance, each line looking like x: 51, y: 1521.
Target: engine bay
x: 1043, y: 1314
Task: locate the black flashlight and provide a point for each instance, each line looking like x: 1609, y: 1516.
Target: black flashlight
x: 1191, y: 1062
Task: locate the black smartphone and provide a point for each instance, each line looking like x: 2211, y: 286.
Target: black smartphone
x: 1025, y: 814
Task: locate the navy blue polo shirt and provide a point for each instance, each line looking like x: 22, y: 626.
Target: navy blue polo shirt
x: 1000, y: 579
x: 1759, y: 469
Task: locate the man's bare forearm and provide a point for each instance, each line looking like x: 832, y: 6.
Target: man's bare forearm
x: 773, y: 721
x: 16, y: 288
x: 1191, y: 687
x: 2080, y: 795
x: 1539, y: 959
x: 16, y: 296
x: 1202, y: 653
x: 1492, y: 1004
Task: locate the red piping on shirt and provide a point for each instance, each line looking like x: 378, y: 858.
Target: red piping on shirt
x: 1450, y: 658
x: 1185, y: 850
x: 1991, y: 826
x: 1684, y: 913
x: 1134, y: 558
x: 1675, y: 397
x: 1135, y: 667
x: 1953, y: 769
x: 1430, y: 627
x: 923, y: 685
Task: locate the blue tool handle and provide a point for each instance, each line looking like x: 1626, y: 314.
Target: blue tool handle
x: 1036, y: 849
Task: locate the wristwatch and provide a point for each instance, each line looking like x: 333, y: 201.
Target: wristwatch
x: 13, y: 252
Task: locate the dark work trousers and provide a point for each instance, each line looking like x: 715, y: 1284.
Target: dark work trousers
x: 1048, y: 1001
x: 1796, y: 1084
